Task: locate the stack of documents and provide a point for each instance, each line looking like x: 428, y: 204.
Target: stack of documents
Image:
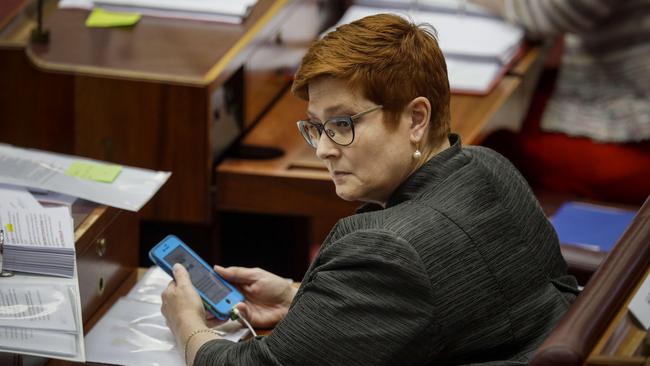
x: 225, y: 11
x: 35, y: 239
x: 17, y: 198
x: 130, y: 189
x: 134, y: 331
x: 39, y: 241
x: 478, y: 47
x: 41, y: 316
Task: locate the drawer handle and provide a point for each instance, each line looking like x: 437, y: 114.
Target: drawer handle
x: 101, y: 247
x: 100, y: 286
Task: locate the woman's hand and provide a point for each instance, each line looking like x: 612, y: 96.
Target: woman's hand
x: 267, y: 296
x: 182, y: 306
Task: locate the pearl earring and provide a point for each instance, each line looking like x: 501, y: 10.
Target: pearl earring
x: 417, y: 154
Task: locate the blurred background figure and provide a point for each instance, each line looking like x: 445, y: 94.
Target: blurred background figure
x: 587, y: 132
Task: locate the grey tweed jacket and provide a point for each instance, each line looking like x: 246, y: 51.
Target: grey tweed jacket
x: 461, y: 267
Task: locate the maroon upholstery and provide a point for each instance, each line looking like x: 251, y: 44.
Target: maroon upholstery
x: 578, y: 331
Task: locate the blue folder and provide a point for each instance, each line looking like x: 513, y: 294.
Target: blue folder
x: 591, y: 226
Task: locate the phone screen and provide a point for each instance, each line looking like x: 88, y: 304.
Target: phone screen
x: 202, y: 279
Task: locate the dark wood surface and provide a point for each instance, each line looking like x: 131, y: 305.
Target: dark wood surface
x: 139, y: 96
x: 118, y: 115
x: 9, y: 9
x: 624, y: 340
x: 159, y: 49
x: 35, y: 107
x: 107, y: 252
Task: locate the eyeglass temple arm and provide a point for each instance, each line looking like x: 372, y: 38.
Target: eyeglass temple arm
x: 366, y: 111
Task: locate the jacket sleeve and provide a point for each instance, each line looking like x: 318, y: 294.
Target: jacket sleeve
x: 365, y: 301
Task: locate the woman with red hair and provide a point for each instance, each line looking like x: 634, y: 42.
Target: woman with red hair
x: 450, y: 261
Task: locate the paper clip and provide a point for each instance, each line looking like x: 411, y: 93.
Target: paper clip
x: 3, y: 273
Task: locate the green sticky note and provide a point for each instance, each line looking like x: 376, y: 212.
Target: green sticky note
x: 100, y: 18
x: 98, y: 172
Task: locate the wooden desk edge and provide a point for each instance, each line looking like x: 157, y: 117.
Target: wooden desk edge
x: 208, y: 78
x: 509, y: 83
x: 595, y: 357
x: 527, y: 60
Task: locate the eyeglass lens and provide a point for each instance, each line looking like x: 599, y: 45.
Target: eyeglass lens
x: 338, y: 130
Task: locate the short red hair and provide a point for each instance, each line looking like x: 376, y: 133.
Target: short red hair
x: 389, y: 60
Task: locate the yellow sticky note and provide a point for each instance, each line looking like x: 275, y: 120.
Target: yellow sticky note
x: 100, y: 18
x: 97, y: 172
x: 10, y: 228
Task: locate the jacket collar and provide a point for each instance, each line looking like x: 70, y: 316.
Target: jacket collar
x: 427, y: 177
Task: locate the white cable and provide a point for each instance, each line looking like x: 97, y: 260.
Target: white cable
x: 235, y: 314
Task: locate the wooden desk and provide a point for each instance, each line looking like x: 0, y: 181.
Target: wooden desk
x: 622, y: 343
x: 9, y: 9
x: 106, y: 241
x: 106, y: 244
x: 165, y: 94
x: 297, y: 183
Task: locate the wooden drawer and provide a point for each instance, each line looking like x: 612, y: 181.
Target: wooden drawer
x: 106, y: 257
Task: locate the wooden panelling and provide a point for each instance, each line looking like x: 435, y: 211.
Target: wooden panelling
x: 157, y: 49
x: 137, y: 96
x: 105, y: 257
x: 35, y: 108
x: 150, y: 125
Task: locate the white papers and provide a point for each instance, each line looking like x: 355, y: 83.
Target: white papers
x: 134, y: 332
x: 13, y: 197
x: 38, y: 241
x: 38, y: 228
x: 640, y: 304
x: 460, y: 7
x: 39, y: 169
x: 26, y: 340
x: 231, y: 11
x: 52, y: 336
x: 471, y: 75
x: 457, y: 35
x: 45, y: 307
x: 230, y: 7
x: 476, y: 48
x: 76, y: 4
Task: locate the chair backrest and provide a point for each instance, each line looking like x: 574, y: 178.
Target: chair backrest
x: 577, y: 332
x: 581, y: 263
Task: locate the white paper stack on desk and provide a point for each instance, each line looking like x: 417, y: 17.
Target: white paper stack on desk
x: 41, y: 316
x: 43, y: 313
x: 47, y: 171
x: 38, y: 241
x: 230, y: 11
x: 478, y: 47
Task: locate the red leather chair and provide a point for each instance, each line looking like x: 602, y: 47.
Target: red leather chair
x: 570, y: 343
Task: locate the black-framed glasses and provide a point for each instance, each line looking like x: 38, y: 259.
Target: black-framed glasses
x: 338, y: 129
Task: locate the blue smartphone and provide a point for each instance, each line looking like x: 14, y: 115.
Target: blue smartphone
x: 219, y: 297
